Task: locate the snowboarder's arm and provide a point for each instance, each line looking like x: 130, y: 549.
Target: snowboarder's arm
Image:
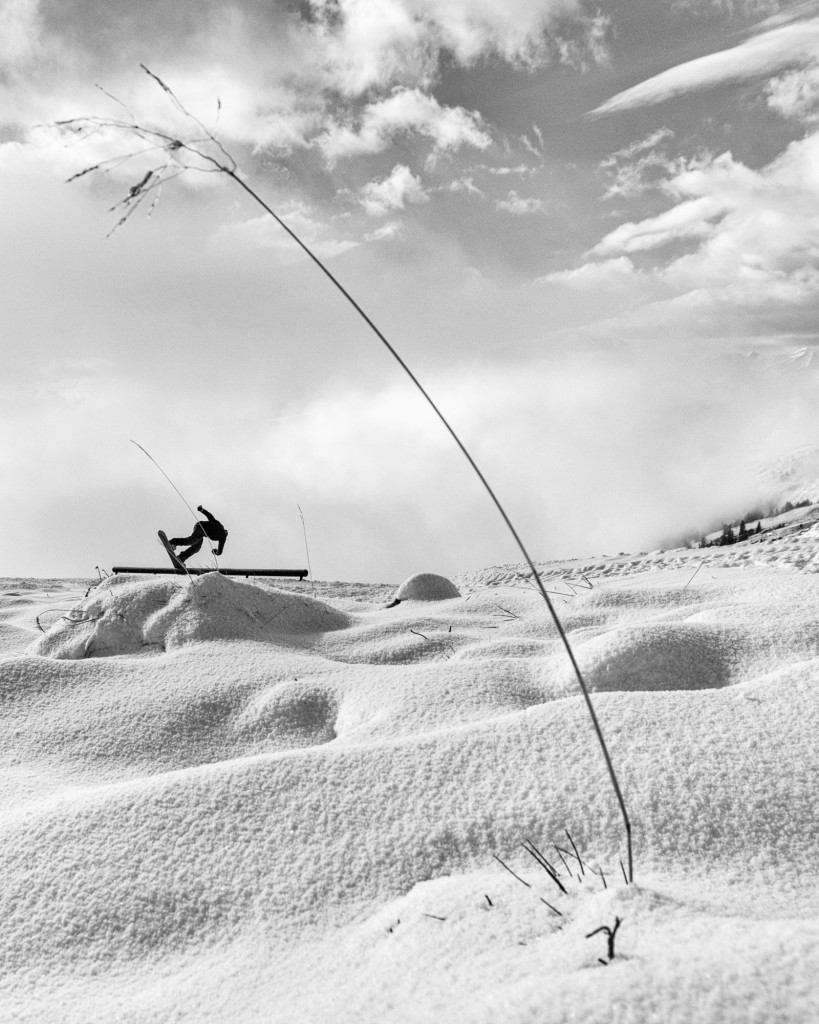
x: 218, y: 551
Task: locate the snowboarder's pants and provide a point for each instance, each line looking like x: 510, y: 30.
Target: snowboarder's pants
x: 195, y: 540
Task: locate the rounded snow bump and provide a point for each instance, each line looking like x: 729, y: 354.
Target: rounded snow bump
x: 425, y: 586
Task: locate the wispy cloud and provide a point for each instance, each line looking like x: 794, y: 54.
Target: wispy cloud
x: 505, y: 170
x: 589, y: 47
x: 393, y: 192
x: 605, y: 291
x: 612, y: 273
x: 768, y: 52
x: 392, y: 229
x: 405, y: 111
x: 641, y: 166
x: 466, y: 184
x: 264, y: 233
x: 520, y: 206
x: 691, y: 219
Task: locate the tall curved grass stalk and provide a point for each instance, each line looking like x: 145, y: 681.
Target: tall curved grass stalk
x: 205, y: 153
x: 306, y: 549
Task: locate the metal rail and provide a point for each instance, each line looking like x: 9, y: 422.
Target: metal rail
x: 300, y: 573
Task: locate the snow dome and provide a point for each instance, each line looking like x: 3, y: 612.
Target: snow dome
x: 425, y: 586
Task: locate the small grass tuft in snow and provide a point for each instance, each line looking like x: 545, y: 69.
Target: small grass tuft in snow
x: 554, y: 874
x: 610, y: 933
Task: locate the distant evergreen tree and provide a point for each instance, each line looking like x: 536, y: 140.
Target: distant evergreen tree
x: 743, y: 532
x: 758, y: 528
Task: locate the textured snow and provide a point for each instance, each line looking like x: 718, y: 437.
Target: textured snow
x: 246, y: 802
x: 126, y: 614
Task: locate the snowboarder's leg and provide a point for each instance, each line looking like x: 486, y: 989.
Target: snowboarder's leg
x: 197, y: 536
x: 183, y: 556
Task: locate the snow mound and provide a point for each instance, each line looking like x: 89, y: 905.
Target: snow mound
x: 290, y: 715
x: 426, y: 586
x: 656, y: 656
x: 127, y: 616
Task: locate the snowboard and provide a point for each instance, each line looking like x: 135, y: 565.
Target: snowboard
x: 166, y: 544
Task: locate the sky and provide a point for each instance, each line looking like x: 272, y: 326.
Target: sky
x: 591, y: 231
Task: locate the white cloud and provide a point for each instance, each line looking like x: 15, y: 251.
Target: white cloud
x: 692, y: 219
x: 232, y: 95
x: 393, y: 192
x: 796, y: 94
x: 264, y: 233
x: 285, y: 81
x: 604, y: 290
x: 520, y: 206
x: 392, y: 229
x: 465, y: 185
x: 767, y: 53
x: 503, y: 171
x: 636, y: 149
x: 382, y: 42
x: 365, y: 43
x: 753, y: 228
x: 766, y: 244
x: 252, y: 110
x: 605, y: 273
x: 58, y: 153
x: 203, y: 51
x: 535, y: 148
x: 737, y: 254
x: 405, y: 111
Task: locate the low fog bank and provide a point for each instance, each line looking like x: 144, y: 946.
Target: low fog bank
x: 592, y: 450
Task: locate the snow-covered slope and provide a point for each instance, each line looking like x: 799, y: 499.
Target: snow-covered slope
x: 239, y: 802
x: 792, y: 477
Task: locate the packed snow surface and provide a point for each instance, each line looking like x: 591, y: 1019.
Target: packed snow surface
x: 250, y: 801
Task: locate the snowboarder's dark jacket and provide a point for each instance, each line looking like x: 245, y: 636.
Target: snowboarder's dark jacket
x: 213, y: 529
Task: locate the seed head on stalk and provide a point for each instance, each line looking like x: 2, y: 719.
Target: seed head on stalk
x: 170, y: 155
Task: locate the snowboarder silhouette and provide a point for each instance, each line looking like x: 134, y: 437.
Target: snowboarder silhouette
x: 210, y: 528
